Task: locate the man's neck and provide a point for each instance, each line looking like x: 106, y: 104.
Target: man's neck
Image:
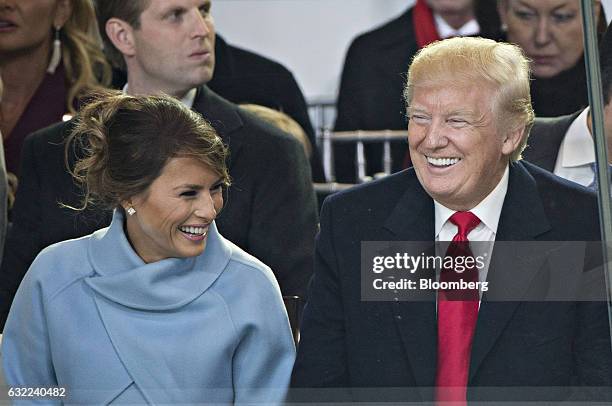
x: 457, y: 19
x: 139, y: 87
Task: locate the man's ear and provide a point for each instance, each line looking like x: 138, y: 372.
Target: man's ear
x: 121, y: 34
x: 512, y: 140
x: 62, y: 13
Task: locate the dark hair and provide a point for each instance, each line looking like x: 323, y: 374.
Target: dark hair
x: 126, y: 141
x: 126, y: 10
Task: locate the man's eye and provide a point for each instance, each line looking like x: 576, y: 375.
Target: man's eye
x: 189, y: 193
x: 457, y: 122
x: 419, y: 118
x: 205, y: 10
x: 176, y: 15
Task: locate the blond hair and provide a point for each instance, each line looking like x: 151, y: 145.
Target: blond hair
x: 84, y: 62
x: 480, y: 61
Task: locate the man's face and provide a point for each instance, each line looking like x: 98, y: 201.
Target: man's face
x: 174, y: 46
x: 458, y: 153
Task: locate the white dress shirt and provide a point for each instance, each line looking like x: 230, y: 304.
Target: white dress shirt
x: 488, y: 211
x: 577, y: 152
x: 446, y: 31
x: 187, y: 100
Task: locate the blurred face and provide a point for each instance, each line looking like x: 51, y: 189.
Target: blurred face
x: 26, y: 25
x: 173, y: 49
x: 549, y: 31
x: 458, y: 154
x: 450, y: 6
x: 172, y: 217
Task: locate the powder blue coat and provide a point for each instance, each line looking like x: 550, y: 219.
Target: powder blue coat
x: 91, y: 316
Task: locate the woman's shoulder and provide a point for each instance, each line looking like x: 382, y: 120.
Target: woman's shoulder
x: 60, y: 264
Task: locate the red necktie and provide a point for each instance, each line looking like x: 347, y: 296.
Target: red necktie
x: 457, y: 315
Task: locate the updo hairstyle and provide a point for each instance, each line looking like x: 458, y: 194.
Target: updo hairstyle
x: 122, y: 144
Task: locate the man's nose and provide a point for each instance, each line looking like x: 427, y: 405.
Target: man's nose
x: 435, y: 135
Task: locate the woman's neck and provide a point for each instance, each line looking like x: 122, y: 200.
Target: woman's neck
x: 22, y: 74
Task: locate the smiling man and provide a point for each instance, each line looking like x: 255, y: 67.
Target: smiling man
x: 469, y: 113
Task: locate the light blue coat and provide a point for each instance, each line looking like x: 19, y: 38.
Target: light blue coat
x: 91, y: 316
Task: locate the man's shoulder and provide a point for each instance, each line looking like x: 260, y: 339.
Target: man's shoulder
x: 398, y: 30
x: 374, y: 195
x: 555, y: 124
x: 250, y: 64
x: 54, y: 134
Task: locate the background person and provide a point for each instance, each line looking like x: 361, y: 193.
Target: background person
x: 158, y: 307
x: 564, y: 145
x: 550, y: 33
x: 50, y: 54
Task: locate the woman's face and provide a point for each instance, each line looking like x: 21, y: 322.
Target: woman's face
x: 173, y: 215
x: 26, y: 25
x: 549, y: 31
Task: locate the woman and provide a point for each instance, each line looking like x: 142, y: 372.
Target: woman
x: 158, y: 307
x: 49, y: 54
x: 550, y: 33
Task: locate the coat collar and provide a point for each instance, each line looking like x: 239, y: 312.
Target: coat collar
x: 545, y: 140
x: 122, y: 277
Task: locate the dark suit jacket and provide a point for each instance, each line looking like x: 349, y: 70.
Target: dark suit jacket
x: 545, y: 140
x: 270, y: 210
x: 370, y: 95
x: 355, y: 345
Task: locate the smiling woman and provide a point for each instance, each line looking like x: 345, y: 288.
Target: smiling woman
x: 158, y: 307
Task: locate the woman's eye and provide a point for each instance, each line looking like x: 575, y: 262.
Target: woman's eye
x: 524, y: 14
x: 562, y: 17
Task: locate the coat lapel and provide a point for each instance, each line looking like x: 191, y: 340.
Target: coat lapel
x: 514, y: 263
x: 413, y: 220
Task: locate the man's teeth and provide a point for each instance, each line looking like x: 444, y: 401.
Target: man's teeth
x: 442, y: 161
x: 193, y: 230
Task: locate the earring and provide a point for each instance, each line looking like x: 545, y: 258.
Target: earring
x: 131, y: 211
x: 56, y: 55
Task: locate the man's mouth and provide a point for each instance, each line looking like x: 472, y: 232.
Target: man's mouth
x: 6, y: 24
x: 442, y: 162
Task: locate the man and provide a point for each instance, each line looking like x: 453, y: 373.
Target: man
x: 244, y: 77
x: 3, y: 190
x: 167, y: 47
x: 370, y: 95
x: 564, y: 145
x: 469, y: 115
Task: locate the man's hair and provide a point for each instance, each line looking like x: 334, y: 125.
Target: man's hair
x: 477, y: 62
x: 126, y: 10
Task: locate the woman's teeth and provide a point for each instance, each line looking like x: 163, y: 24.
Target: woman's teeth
x: 194, y: 230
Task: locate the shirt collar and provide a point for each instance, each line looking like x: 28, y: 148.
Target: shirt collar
x: 488, y: 210
x: 446, y: 31
x: 187, y: 100
x: 577, y: 147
